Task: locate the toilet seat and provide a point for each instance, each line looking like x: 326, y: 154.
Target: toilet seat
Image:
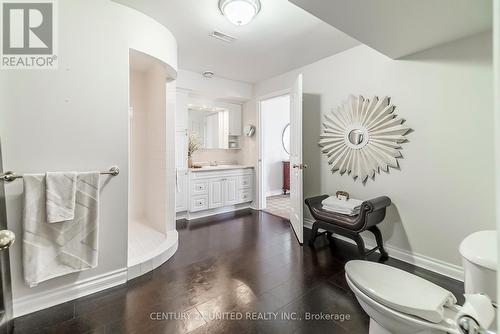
x: 400, y: 291
x: 446, y: 326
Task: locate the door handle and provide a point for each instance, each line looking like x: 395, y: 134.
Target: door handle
x: 177, y: 180
x: 7, y: 238
x: 8, y: 176
x: 300, y: 166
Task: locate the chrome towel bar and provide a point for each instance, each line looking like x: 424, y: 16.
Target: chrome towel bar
x: 11, y: 176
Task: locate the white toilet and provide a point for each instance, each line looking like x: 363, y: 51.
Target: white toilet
x: 479, y: 258
x: 402, y: 303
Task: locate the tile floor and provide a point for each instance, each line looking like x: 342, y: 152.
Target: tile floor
x: 278, y: 205
x: 143, y: 239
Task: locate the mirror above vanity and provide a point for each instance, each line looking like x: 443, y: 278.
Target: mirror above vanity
x: 215, y: 124
x: 210, y: 126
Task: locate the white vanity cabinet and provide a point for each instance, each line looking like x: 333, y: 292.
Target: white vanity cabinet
x: 230, y: 190
x: 181, y: 147
x: 234, y: 119
x: 181, y: 195
x: 214, y: 191
x: 181, y: 171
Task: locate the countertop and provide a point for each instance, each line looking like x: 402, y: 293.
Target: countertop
x: 221, y: 167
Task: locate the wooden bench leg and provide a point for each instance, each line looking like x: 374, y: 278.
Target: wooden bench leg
x: 380, y: 243
x: 331, y: 238
x: 361, y: 245
x: 314, y: 233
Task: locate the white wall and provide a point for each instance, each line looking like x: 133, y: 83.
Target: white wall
x: 76, y: 118
x: 216, y: 87
x: 248, y: 156
x: 138, y: 141
x: 148, y: 147
x: 444, y: 189
x: 275, y: 113
x: 157, y: 156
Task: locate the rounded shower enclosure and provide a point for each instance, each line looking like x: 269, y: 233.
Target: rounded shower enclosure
x: 152, y: 238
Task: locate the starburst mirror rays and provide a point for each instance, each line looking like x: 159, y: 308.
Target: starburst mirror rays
x: 363, y: 136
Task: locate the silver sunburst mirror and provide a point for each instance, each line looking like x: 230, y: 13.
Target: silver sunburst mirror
x: 363, y: 136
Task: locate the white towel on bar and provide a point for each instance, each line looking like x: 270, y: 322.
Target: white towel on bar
x: 60, y: 195
x: 52, y: 250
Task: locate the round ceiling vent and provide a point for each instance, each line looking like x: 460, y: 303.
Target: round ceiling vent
x: 208, y: 74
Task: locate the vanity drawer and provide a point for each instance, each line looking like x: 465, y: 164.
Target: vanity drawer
x: 245, y: 195
x: 199, y: 187
x: 246, y: 181
x: 199, y: 203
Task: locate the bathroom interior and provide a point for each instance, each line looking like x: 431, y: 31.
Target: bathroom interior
x: 250, y: 157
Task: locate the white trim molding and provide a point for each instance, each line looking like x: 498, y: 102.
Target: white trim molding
x: 217, y: 211
x: 67, y: 292
x: 419, y: 260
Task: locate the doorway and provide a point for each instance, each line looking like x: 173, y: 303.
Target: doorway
x: 292, y: 169
x: 275, y: 125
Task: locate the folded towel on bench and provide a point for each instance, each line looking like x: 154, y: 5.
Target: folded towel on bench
x: 349, y: 207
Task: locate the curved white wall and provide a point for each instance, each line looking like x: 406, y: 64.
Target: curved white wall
x: 76, y: 118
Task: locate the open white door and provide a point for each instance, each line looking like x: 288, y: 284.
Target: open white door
x: 296, y: 164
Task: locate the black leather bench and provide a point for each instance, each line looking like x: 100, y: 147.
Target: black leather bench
x: 372, y: 212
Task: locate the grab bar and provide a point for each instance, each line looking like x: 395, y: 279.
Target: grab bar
x: 11, y: 176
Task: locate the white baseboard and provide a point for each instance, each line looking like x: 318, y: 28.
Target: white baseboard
x: 213, y: 212
x: 181, y: 215
x: 419, y: 260
x: 65, y: 293
x: 274, y: 193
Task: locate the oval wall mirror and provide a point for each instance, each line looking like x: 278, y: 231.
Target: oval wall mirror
x: 285, y: 138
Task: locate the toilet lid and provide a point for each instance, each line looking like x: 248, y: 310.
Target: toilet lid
x: 400, y: 290
x: 481, y: 248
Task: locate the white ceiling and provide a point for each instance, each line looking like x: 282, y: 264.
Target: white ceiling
x: 281, y: 38
x: 398, y: 28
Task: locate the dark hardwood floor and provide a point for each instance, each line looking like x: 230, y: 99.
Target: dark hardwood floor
x: 228, y: 266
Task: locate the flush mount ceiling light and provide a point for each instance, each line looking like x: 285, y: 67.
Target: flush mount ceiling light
x: 239, y: 12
